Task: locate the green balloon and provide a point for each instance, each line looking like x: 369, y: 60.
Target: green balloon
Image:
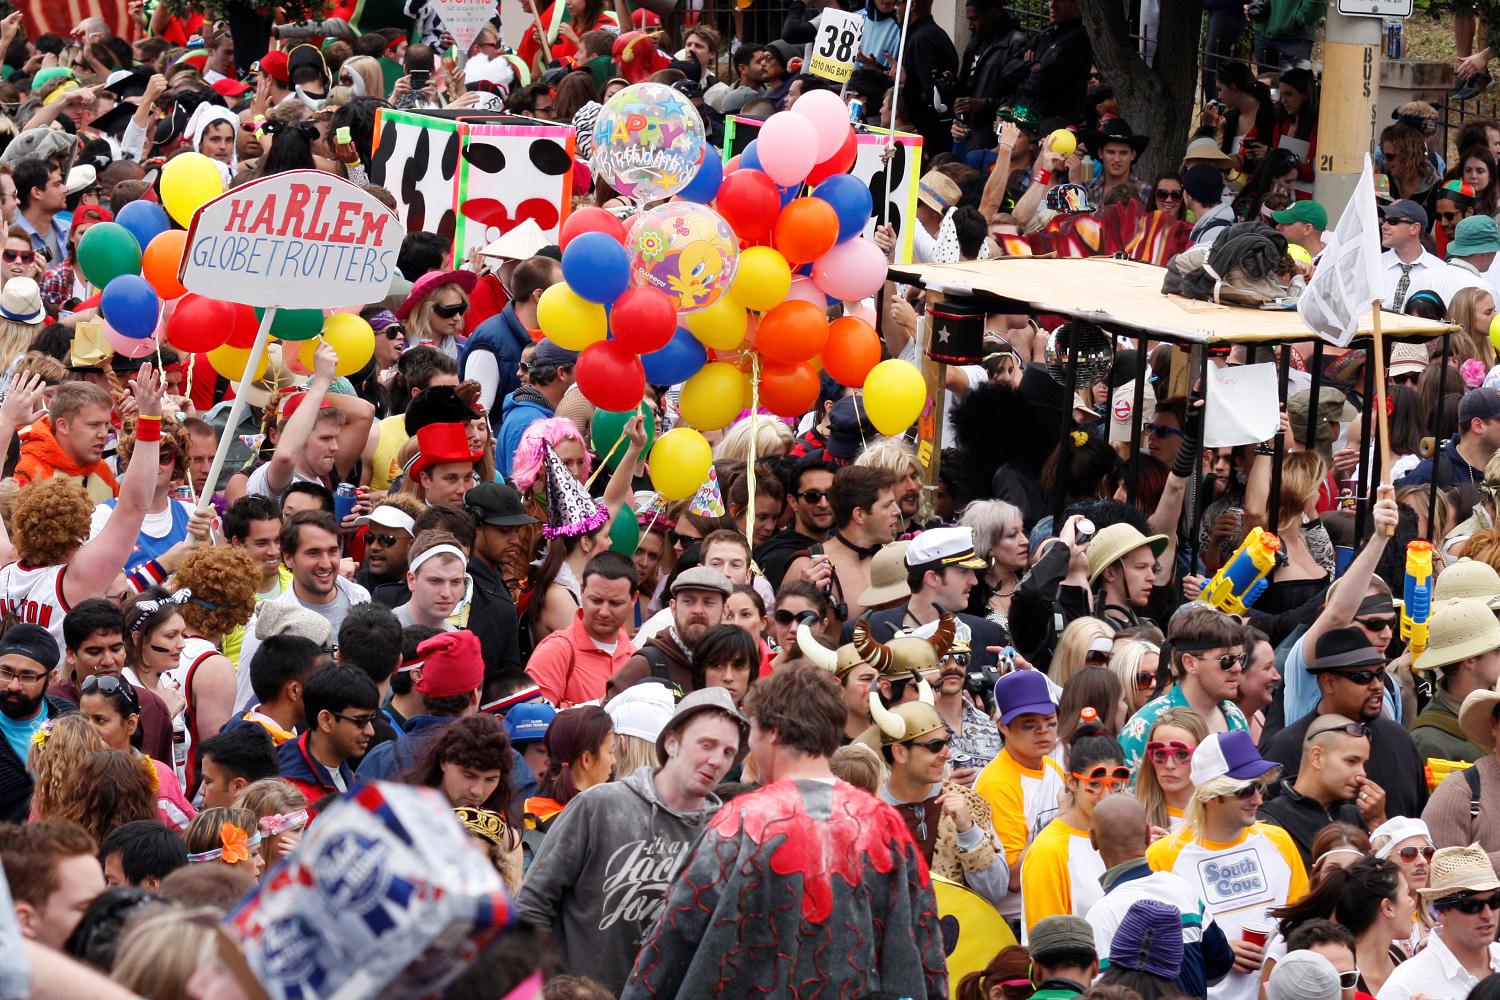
x: 606, y: 427
x: 107, y: 251
x: 294, y: 324
x: 624, y: 532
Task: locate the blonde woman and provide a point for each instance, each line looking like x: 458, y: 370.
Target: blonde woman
x: 1164, y: 783
x: 1086, y: 642
x: 1136, y: 662
x: 639, y: 714
x: 226, y: 835
x: 434, y: 310
x: 1407, y: 842
x: 160, y: 951
x: 899, y: 458
x: 773, y: 438
x: 1306, y: 568
x: 56, y: 758
x: 281, y: 809
x: 361, y: 74
x: 1473, y: 309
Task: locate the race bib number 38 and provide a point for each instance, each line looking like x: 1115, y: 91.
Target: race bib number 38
x: 836, y: 44
x: 1234, y: 880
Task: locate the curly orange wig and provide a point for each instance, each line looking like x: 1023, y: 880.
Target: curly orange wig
x: 174, y: 439
x: 224, y: 577
x: 50, y: 520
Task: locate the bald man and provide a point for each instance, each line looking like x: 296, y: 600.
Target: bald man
x: 1330, y: 786
x: 1120, y: 835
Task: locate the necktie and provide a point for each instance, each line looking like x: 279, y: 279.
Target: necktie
x: 1402, y: 285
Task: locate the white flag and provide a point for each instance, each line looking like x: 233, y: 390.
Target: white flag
x: 1348, y: 275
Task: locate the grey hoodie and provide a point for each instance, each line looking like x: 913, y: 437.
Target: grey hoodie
x: 601, y: 876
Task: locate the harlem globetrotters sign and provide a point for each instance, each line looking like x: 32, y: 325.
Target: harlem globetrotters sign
x: 301, y: 239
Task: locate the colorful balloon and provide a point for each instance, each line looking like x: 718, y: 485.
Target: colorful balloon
x: 246, y: 326
x: 199, y: 324
x: 788, y: 390
x: 294, y: 324
x: 569, y: 321
x: 839, y: 163
x: 231, y: 362
x: 721, y: 326
x: 610, y: 376
x: 680, y: 360
x: 894, y: 396
x: 829, y: 116
x: 146, y: 220
x: 748, y: 201
x: 679, y: 463
x: 763, y: 280
x: 648, y: 142
x: 352, y: 339
x: 130, y: 306
x: 596, y: 267
x: 805, y: 290
x: 851, y: 201
x: 853, y: 349
x: 589, y: 219
x: 607, y: 428
x: 851, y: 271
x: 788, y: 147
x: 705, y: 183
x: 806, y: 229
x: 685, y: 250
x: 712, y: 398
x: 161, y: 259
x: 129, y: 347
x: 643, y: 319
x: 624, y: 531
x: 792, y: 332
x: 188, y: 180
x: 106, y: 252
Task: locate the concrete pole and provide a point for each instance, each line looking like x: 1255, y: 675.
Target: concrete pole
x: 1347, y: 110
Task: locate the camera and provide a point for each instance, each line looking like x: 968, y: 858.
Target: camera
x: 1258, y: 10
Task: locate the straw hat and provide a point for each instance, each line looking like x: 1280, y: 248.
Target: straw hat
x: 887, y: 576
x: 1469, y: 578
x: 1460, y: 869
x: 1476, y: 716
x: 1407, y: 359
x: 1457, y: 630
x: 1117, y: 541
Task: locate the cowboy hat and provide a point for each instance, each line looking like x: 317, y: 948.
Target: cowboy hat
x: 1115, y: 542
x: 1114, y: 130
x: 1477, y: 714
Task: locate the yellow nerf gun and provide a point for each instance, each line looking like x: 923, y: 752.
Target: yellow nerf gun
x: 1241, y: 580
x: 1417, y: 595
x: 1437, y: 770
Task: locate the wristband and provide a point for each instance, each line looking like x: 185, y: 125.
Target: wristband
x: 148, y: 429
x: 1042, y: 176
x: 1265, y: 449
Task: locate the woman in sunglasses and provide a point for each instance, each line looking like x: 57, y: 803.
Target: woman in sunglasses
x: 109, y: 704
x: 18, y: 259
x: 1164, y: 783
x: 1167, y: 196
x: 1086, y: 642
x: 1371, y: 898
x: 1136, y: 661
x: 1406, y: 841
x: 1061, y: 869
x: 434, y: 311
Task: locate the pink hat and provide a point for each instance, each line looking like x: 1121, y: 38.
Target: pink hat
x: 452, y: 663
x: 431, y: 282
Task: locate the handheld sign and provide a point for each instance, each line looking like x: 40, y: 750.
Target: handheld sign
x: 299, y: 240
x: 836, y: 44
x: 465, y: 18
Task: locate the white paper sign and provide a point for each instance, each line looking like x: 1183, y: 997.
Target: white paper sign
x: 1243, y: 407
x: 465, y: 18
x: 302, y: 239
x: 836, y: 44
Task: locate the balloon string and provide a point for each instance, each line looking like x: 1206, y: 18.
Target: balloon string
x: 750, y: 457
x: 641, y: 535
x: 604, y: 462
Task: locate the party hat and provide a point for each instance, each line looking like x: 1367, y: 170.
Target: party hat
x: 650, y: 505
x: 709, y: 500
x: 570, y: 509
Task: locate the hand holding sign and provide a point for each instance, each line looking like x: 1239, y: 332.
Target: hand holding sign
x: 836, y: 44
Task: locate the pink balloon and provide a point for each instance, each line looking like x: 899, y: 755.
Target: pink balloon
x: 829, y: 116
x: 787, y: 147
x: 129, y: 346
x: 804, y: 289
x: 851, y: 270
x: 861, y: 310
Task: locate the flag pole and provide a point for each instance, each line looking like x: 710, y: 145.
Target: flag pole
x: 890, y: 139
x: 1382, y: 473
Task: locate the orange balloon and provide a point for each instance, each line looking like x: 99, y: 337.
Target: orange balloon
x: 161, y: 260
x: 792, y: 332
x: 788, y: 390
x: 853, y: 349
x: 806, y: 229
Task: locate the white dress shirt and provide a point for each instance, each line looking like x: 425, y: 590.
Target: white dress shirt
x: 1434, y: 971
x: 1427, y: 272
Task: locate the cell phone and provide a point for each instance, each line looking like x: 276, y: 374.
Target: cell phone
x: 342, y: 135
x: 419, y: 78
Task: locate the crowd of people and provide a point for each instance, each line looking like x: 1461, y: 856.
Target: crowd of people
x: 747, y: 743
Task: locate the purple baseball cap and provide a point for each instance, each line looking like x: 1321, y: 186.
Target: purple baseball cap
x: 1023, y: 692
x: 1229, y: 755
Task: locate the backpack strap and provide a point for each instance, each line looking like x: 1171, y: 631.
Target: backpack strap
x: 1471, y: 776
x: 658, y: 661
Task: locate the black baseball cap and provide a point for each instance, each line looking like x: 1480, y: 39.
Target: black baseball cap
x: 32, y: 642
x: 499, y: 504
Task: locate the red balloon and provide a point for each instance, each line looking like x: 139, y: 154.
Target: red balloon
x: 838, y: 163
x: 788, y: 390
x: 853, y: 348
x: 643, y: 319
x: 245, y: 328
x: 792, y: 332
x: 732, y: 165
x: 199, y: 324
x: 610, y: 376
x: 590, y: 220
x: 806, y: 229
x: 749, y: 202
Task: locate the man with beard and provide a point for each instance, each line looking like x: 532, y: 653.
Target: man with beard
x: 27, y: 654
x: 812, y: 519
x: 602, y: 874
x: 865, y: 517
x: 900, y: 460
x: 94, y: 645
x: 1349, y: 671
x: 698, y: 597
x: 388, y: 538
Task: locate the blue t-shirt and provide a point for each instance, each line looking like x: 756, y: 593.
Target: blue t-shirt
x: 19, y: 732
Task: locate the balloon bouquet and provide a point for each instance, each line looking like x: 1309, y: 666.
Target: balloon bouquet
x: 724, y: 288
x: 135, y: 261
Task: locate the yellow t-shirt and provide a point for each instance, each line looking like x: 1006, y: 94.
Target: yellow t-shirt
x: 392, y: 437
x: 1022, y: 801
x: 1060, y: 874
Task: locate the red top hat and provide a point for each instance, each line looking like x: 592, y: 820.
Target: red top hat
x: 440, y: 443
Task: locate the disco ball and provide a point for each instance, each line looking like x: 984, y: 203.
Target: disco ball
x: 1095, y: 355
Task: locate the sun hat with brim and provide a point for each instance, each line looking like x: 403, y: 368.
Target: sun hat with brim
x: 1344, y: 648
x: 1117, y: 541
x: 1457, y: 630
x: 431, y: 282
x: 887, y: 576
x: 1408, y: 359
x: 1476, y: 234
x: 1476, y: 716
x: 938, y: 192
x: 21, y: 301
x: 1342, y: 369
x: 714, y: 699
x: 1469, y: 578
x: 1208, y: 151
x: 1229, y: 755
x: 1457, y: 870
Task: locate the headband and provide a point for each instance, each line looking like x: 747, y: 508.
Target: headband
x: 234, y: 846
x: 1376, y: 604
x: 434, y: 552
x: 146, y: 609
x: 276, y: 823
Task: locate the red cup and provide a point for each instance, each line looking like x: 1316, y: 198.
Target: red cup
x: 1256, y: 934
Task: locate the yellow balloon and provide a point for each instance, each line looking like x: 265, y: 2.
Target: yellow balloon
x: 1063, y: 142
x: 712, y: 398
x: 679, y: 464
x: 569, y: 321
x: 1495, y: 333
x: 894, y: 396
x: 351, y: 339
x: 720, y: 326
x: 231, y: 361
x: 187, y: 181
x: 763, y: 280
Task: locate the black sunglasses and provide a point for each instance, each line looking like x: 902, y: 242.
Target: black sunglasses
x: 110, y: 684
x: 677, y: 538
x: 393, y: 333
x: 931, y: 746
x: 1377, y: 624
x: 813, y: 497
x: 1469, y: 905
x: 784, y: 617
x: 1227, y: 661
x: 1358, y: 729
x: 448, y: 312
x: 1173, y: 194
x: 1360, y: 677
x: 385, y: 541
x: 1447, y: 216
x: 1407, y: 378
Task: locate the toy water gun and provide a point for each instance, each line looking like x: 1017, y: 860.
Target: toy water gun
x: 1242, y: 579
x: 1417, y: 595
x: 1437, y: 770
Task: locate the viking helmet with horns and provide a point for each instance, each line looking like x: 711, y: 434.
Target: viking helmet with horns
x: 905, y: 652
x: 908, y: 719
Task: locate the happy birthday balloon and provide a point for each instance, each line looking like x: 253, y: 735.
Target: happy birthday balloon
x: 684, y: 249
x: 649, y: 142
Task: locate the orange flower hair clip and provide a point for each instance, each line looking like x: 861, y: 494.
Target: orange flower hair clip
x: 234, y: 846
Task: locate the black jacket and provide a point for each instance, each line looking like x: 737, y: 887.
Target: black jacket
x: 493, y: 619
x: 990, y: 71
x: 929, y: 54
x: 1303, y: 817
x: 775, y: 553
x: 1059, y: 72
x: 1394, y: 764
x: 15, y: 782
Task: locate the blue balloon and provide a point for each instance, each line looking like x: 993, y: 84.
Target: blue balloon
x: 750, y: 156
x: 596, y: 267
x: 851, y: 201
x: 677, y: 362
x: 146, y: 220
x: 788, y: 193
x: 131, y: 306
x: 705, y: 183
